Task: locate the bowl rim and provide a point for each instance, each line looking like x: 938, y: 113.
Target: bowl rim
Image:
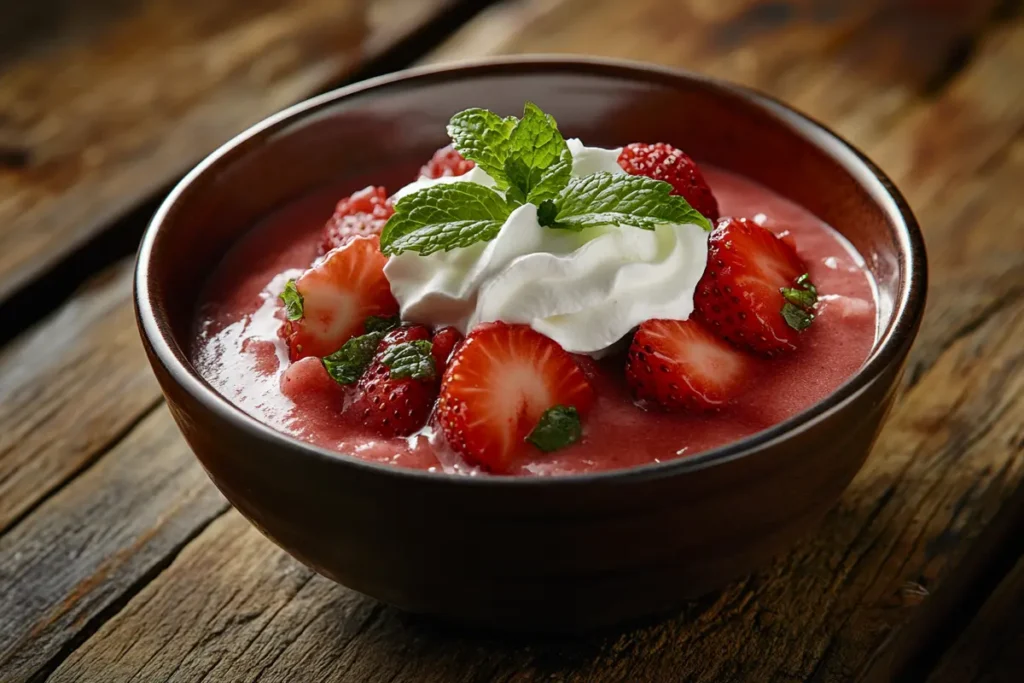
x: 908, y: 305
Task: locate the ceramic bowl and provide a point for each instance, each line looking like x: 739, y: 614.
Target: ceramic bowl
x: 555, y: 554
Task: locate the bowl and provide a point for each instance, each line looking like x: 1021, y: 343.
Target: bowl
x: 564, y: 553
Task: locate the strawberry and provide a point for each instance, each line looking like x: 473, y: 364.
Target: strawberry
x: 749, y: 293
x: 499, y: 384
x: 307, y: 382
x: 681, y: 365
x: 329, y: 303
x: 363, y: 213
x: 398, y: 389
x: 446, y: 162
x: 665, y: 162
x: 445, y: 341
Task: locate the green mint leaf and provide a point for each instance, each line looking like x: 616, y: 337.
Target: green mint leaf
x: 483, y: 137
x: 444, y: 217
x: 796, y: 317
x: 800, y: 301
x: 557, y: 428
x: 619, y: 199
x: 293, y: 301
x: 347, y: 364
x: 410, y: 360
x: 378, y: 323
x: 538, y: 164
x: 546, y: 212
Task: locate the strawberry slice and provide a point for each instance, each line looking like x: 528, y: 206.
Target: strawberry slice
x: 681, y: 365
x: 754, y: 291
x: 329, y: 303
x: 664, y: 162
x: 498, y: 385
x: 446, y: 162
x: 398, y: 389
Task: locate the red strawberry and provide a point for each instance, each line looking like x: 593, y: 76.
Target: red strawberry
x: 739, y: 295
x: 498, y: 385
x: 665, y: 162
x: 395, y: 406
x: 338, y: 294
x: 446, y: 162
x: 362, y: 214
x: 680, y: 365
x: 445, y: 341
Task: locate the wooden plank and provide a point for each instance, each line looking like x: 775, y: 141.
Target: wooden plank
x: 68, y: 390
x: 123, y: 97
x: 950, y: 458
x: 991, y: 648
x: 78, y: 556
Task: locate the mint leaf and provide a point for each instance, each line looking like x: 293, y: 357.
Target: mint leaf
x: 378, y: 323
x: 800, y: 301
x: 483, y: 137
x: 619, y: 199
x: 444, y: 217
x: 293, y: 301
x: 538, y: 165
x: 410, y: 360
x: 557, y: 428
x: 347, y: 364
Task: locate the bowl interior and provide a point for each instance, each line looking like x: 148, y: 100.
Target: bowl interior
x: 381, y: 131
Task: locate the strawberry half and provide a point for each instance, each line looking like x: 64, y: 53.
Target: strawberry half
x: 330, y: 302
x: 498, y: 385
x: 665, y: 162
x: 749, y: 287
x: 362, y: 214
x: 681, y: 365
x: 398, y: 389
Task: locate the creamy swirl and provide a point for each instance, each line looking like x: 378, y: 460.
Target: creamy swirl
x: 585, y: 290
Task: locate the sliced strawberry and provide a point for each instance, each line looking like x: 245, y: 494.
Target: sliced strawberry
x: 336, y: 296
x: 362, y: 214
x: 665, y: 162
x: 445, y: 341
x: 446, y: 162
x: 740, y: 295
x: 497, y: 386
x: 681, y: 365
x: 397, y: 391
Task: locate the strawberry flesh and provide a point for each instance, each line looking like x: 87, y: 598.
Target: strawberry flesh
x: 498, y: 385
x: 446, y: 162
x: 676, y: 365
x: 739, y: 296
x: 339, y: 292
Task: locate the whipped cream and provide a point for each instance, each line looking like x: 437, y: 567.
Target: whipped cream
x: 586, y: 290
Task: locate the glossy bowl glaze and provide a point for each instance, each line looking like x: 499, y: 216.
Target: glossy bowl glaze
x: 556, y: 554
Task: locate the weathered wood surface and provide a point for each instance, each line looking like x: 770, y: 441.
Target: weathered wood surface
x: 103, y: 103
x: 230, y: 606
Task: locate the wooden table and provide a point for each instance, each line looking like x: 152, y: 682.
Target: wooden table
x: 119, y: 560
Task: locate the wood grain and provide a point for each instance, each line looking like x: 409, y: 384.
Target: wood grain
x: 122, y: 97
x: 69, y: 389
x: 83, y: 550
x: 949, y: 459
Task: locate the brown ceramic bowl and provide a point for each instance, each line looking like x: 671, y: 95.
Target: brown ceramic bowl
x: 562, y: 553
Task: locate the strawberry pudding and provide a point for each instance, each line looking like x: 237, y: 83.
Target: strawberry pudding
x: 530, y: 305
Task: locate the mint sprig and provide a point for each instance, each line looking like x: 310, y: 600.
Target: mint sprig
x: 293, y: 301
x: 615, y: 199
x: 444, y: 217
x: 529, y: 162
x: 557, y: 428
x: 800, y: 302
x: 379, y: 323
x: 410, y: 360
x: 347, y: 364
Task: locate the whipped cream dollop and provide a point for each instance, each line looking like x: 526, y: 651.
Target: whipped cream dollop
x: 586, y: 290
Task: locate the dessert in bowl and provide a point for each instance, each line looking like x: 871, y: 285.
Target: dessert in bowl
x: 503, y: 389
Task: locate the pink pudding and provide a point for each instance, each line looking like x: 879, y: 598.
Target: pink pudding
x: 239, y: 350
